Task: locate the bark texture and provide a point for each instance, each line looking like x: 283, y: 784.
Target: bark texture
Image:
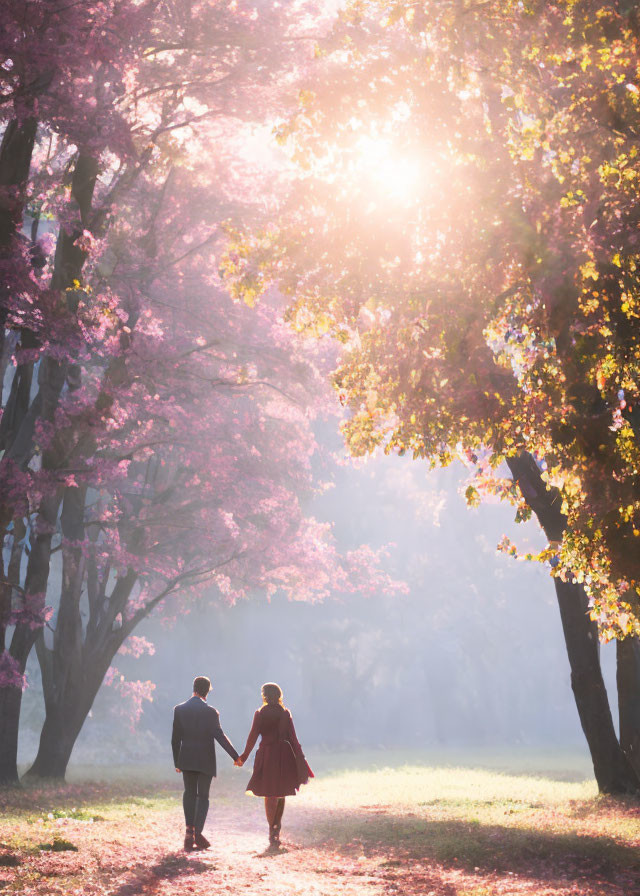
x: 613, y: 770
x: 17, y: 439
x: 74, y: 666
x: 628, y: 681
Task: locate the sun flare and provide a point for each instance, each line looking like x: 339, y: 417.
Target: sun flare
x: 387, y: 171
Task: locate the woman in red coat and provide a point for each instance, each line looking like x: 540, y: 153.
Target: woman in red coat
x: 279, y: 767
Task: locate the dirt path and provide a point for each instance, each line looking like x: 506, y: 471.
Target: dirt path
x: 142, y: 854
x: 116, y: 841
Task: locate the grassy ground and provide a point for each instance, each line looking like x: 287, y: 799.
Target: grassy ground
x: 360, y: 829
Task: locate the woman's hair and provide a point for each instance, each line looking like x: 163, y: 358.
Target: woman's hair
x: 271, y: 693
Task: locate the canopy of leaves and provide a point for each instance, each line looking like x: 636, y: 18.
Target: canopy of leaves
x: 466, y: 222
x: 155, y: 435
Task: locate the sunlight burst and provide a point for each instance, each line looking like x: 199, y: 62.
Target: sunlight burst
x: 386, y: 170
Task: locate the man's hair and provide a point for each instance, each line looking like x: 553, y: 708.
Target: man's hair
x: 201, y: 685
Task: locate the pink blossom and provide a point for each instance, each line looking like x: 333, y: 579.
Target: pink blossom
x: 11, y: 675
x: 31, y: 611
x: 136, y: 646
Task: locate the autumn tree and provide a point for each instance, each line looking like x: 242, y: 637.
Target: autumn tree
x: 465, y: 223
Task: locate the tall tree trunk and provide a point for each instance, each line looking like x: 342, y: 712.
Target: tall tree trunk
x: 57, y: 739
x: 612, y: 769
x: 71, y: 676
x: 73, y: 668
x: 10, y: 702
x: 52, y: 375
x: 24, y: 635
x: 628, y: 681
x: 68, y: 263
x: 67, y: 707
x: 16, y: 150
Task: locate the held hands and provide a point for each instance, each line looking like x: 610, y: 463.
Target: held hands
x: 179, y: 771
x: 238, y: 762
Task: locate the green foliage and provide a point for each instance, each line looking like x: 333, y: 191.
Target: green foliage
x: 467, y: 220
x: 75, y: 814
x: 473, y: 496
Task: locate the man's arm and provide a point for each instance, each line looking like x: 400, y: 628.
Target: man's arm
x: 176, y: 737
x: 222, y: 738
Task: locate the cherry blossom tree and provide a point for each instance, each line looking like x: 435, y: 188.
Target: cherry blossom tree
x: 156, y: 435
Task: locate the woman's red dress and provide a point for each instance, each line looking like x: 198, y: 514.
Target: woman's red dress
x: 279, y: 767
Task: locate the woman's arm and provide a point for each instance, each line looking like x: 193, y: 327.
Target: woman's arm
x: 302, y: 766
x: 293, y: 740
x: 252, y: 738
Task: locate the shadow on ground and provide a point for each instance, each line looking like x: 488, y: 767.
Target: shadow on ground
x: 404, y: 840
x: 170, y: 868
x: 39, y: 796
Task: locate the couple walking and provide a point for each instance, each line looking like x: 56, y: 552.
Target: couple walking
x: 278, y: 770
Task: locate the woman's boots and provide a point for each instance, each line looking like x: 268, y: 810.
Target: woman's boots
x: 274, y: 827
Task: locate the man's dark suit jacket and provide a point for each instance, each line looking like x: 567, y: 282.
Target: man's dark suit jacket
x: 196, y: 727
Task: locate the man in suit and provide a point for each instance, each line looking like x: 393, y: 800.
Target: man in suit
x: 196, y: 728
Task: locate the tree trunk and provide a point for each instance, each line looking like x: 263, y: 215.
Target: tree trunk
x: 16, y: 150
x: 52, y: 374
x: 10, y: 706
x: 611, y: 767
x: 57, y: 738
x: 73, y: 671
x: 68, y: 264
x: 10, y: 702
x: 628, y: 681
x: 67, y: 710
x: 613, y: 771
x: 70, y: 684
x: 67, y: 685
x: 24, y: 636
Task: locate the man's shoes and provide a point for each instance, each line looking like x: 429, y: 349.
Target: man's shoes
x: 189, y: 838
x: 201, y: 841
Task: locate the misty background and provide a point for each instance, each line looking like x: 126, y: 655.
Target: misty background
x: 472, y: 657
